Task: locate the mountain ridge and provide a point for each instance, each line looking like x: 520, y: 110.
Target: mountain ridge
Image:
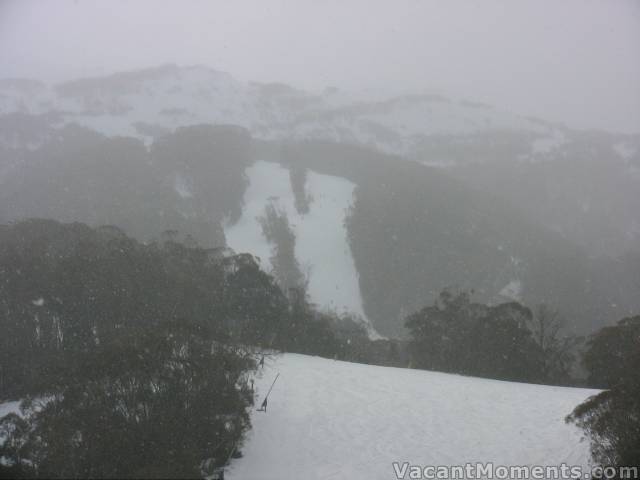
x: 429, y: 209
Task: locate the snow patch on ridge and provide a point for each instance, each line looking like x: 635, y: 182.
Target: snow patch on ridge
x: 268, y: 182
x: 168, y: 97
x: 544, y: 145
x: 322, y: 244
x: 512, y: 290
x: 625, y: 150
x: 182, y: 187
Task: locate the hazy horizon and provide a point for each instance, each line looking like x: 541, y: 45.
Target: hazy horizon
x: 411, y: 228
x: 575, y: 62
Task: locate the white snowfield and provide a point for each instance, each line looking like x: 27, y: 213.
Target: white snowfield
x: 9, y: 407
x: 322, y: 247
x: 328, y: 419
x: 5, y: 409
x: 168, y: 97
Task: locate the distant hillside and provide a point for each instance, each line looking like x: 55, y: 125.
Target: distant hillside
x: 414, y: 230
x: 146, y: 103
x: 547, y: 170
x: 370, y: 234
x: 374, y: 204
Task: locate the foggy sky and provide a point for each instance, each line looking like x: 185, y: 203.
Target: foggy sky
x: 574, y: 61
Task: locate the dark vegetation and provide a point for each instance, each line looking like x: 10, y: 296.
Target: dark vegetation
x: 190, y: 181
x: 510, y: 342
x: 298, y: 179
x: 505, y: 341
x: 427, y: 230
x: 147, y: 402
x: 583, y: 188
x: 144, y: 349
x: 278, y: 232
x: 134, y: 359
x: 611, y: 419
x: 67, y: 287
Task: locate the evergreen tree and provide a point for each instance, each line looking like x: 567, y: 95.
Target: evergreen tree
x: 611, y: 419
x: 458, y: 335
x: 149, y: 402
x: 558, y: 349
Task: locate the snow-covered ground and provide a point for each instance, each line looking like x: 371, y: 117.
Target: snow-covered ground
x: 167, y: 97
x: 328, y: 419
x: 336, y: 420
x: 9, y: 407
x: 322, y: 247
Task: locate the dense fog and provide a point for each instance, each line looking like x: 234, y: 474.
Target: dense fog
x: 298, y: 239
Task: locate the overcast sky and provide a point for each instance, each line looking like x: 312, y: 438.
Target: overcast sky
x: 575, y: 61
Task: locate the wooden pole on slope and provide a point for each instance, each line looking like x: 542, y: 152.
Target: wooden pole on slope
x: 271, y: 388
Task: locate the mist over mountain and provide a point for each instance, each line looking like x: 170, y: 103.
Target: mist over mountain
x: 302, y: 239
x: 375, y: 204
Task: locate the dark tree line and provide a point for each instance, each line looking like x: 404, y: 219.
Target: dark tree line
x: 510, y: 342
x: 611, y: 419
x: 67, y: 288
x: 133, y: 359
x: 505, y: 341
x: 190, y: 180
x: 149, y: 402
x: 277, y: 230
x: 141, y: 351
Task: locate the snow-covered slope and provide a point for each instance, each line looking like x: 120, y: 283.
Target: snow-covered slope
x: 147, y: 102
x: 9, y: 407
x: 5, y: 409
x: 566, y: 181
x: 321, y: 247
x: 337, y: 420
